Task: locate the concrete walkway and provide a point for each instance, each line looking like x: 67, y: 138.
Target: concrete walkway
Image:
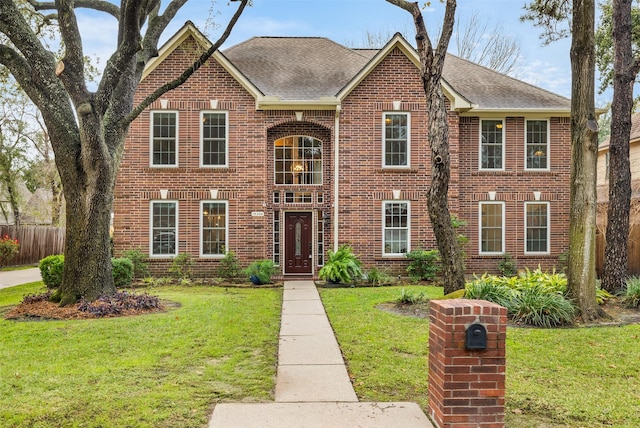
x: 17, y: 277
x: 313, y: 389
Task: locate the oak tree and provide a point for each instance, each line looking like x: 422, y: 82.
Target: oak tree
x: 87, y: 128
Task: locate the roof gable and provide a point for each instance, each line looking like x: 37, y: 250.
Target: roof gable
x: 317, y: 73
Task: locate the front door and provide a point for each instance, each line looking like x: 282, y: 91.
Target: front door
x: 298, y: 251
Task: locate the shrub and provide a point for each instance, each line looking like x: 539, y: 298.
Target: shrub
x: 122, y: 271
x: 9, y: 248
x: 408, y: 297
x: 485, y: 288
x: 228, y: 267
x: 631, y: 298
x: 106, y: 306
x: 260, y: 271
x: 507, y: 266
x: 139, y: 260
x: 341, y: 266
x: 376, y: 277
x: 535, y: 298
x: 539, y: 307
x: 51, y: 269
x: 423, y: 264
x: 181, y: 266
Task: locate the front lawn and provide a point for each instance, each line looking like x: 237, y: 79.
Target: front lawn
x: 571, y: 377
x: 161, y: 370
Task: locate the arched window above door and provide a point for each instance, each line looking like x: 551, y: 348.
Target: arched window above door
x: 298, y: 160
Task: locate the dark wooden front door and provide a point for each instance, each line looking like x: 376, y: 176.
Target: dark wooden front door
x: 298, y: 252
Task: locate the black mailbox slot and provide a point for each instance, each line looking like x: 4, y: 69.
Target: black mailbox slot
x: 476, y: 337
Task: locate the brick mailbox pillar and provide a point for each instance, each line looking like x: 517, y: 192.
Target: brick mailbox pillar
x: 466, y: 386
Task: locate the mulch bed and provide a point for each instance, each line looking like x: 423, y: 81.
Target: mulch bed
x: 617, y: 313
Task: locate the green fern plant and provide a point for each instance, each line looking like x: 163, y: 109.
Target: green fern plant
x: 341, y: 266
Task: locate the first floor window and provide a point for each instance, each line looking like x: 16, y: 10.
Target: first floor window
x: 164, y: 138
x: 396, y: 139
x: 491, y: 227
x: 214, y: 228
x: 164, y: 228
x: 537, y: 227
x: 396, y: 228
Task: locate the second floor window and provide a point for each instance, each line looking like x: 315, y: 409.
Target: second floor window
x: 396, y: 139
x: 298, y: 160
x: 164, y: 138
x: 492, y: 144
x: 537, y: 145
x: 214, y: 139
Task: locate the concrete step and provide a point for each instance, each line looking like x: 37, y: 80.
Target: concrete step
x: 319, y: 415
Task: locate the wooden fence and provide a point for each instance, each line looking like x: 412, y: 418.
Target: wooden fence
x: 633, y: 262
x: 36, y: 242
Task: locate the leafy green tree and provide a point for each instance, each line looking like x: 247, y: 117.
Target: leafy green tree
x: 14, y: 131
x: 431, y: 65
x: 559, y: 18
x: 87, y: 128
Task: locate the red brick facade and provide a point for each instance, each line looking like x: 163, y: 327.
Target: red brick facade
x: 247, y: 184
x: 466, y: 386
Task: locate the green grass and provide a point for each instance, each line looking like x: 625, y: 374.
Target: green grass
x: 159, y: 370
x: 579, y: 377
x: 386, y: 354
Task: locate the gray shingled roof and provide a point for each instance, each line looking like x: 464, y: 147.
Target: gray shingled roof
x: 296, y: 68
x: 307, y: 68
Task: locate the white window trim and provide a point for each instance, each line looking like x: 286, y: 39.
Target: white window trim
x: 162, y: 201
x: 226, y: 228
x: 504, y: 151
x: 548, y: 168
x: 177, y: 163
x: 298, y: 186
x: 384, y: 140
x: 548, y: 228
x: 226, y: 139
x: 490, y: 253
x: 384, y: 213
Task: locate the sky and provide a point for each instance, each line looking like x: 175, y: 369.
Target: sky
x: 348, y: 21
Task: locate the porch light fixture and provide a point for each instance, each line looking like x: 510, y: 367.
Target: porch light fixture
x: 326, y: 218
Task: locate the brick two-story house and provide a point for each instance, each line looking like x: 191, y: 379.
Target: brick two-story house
x: 285, y: 147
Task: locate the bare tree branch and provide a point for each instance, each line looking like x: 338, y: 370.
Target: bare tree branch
x: 101, y: 6
x: 73, y: 74
x: 188, y: 72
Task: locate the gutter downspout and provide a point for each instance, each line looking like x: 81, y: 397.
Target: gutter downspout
x: 336, y: 175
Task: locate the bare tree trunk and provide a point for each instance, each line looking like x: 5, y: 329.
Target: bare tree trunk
x: 438, y: 202
x: 616, y: 249
x: 584, y: 147
x: 432, y: 63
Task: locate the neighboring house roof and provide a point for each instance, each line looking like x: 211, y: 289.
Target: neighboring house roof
x: 289, y: 72
x: 633, y: 138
